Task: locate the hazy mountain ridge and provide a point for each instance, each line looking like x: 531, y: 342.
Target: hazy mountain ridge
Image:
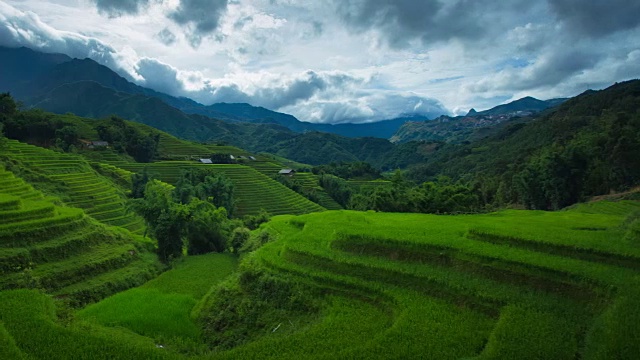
x: 46, y: 72
x: 465, y: 128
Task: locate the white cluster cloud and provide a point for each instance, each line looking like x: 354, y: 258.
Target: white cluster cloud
x: 343, y: 60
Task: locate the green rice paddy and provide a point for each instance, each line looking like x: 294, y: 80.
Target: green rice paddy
x: 330, y: 285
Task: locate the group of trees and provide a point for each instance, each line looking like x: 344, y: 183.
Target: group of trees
x: 193, y: 215
x: 349, y: 170
x: 128, y: 139
x: 205, y: 185
x: 400, y: 195
x: 198, y: 223
x: 442, y: 196
x: 36, y: 126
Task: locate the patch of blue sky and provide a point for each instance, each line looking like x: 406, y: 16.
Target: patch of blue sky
x: 515, y: 63
x: 443, y: 80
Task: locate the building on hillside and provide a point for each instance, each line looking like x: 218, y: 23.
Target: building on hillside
x: 287, y: 172
x: 252, y: 158
x: 93, y: 144
x: 100, y: 144
x: 206, y: 161
x: 232, y: 157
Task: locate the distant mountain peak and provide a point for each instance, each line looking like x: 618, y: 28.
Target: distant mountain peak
x: 472, y: 112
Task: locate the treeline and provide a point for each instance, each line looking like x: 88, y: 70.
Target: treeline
x: 195, y: 215
x: 127, y: 139
x: 36, y: 126
x: 442, y: 196
x: 59, y: 131
x: 358, y: 170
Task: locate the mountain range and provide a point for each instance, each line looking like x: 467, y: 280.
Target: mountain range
x: 60, y: 84
x: 34, y: 78
x: 474, y: 124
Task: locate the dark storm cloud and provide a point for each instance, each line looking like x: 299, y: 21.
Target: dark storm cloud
x: 115, y: 8
x: 597, y: 18
x: 166, y: 37
x: 275, y: 96
x: 202, y: 17
x: 288, y: 94
x: 556, y: 67
x: 400, y: 21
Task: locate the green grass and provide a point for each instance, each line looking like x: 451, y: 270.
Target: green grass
x: 30, y: 318
x: 201, y: 271
x: 64, y: 252
x: 362, y: 285
x: 511, y: 301
x: 76, y: 181
x: 148, y: 312
x: 161, y: 308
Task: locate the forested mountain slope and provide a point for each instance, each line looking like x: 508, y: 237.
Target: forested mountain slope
x: 587, y: 146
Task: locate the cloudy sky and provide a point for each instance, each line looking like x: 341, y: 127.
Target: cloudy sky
x: 344, y: 60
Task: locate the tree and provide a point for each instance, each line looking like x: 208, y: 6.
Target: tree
x: 139, y: 182
x: 337, y: 188
x: 3, y: 139
x: 238, y: 238
x: 165, y: 219
x: 205, y: 230
x: 66, y: 137
x: 217, y: 189
x: 8, y: 106
x: 253, y: 221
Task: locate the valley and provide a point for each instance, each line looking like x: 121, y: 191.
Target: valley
x: 135, y: 225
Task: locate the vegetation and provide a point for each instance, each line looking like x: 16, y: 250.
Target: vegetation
x: 313, y: 284
x: 583, y: 148
x: 443, y: 286
x: 161, y: 308
x: 350, y: 171
x: 128, y: 139
x: 62, y: 251
x: 204, y: 227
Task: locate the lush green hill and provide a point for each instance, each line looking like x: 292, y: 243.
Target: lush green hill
x: 62, y: 251
x: 254, y: 191
x: 75, y: 181
x: 512, y: 284
x: 587, y: 146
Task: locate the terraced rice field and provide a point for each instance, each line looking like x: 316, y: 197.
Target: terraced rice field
x: 80, y: 184
x: 62, y: 251
x: 254, y: 191
x: 309, y: 181
x: 507, y: 285
x: 172, y: 147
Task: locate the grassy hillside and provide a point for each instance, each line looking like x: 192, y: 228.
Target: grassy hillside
x: 253, y: 190
x: 62, y: 251
x: 512, y: 284
x: 76, y: 182
x: 76, y: 179
x: 343, y: 284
